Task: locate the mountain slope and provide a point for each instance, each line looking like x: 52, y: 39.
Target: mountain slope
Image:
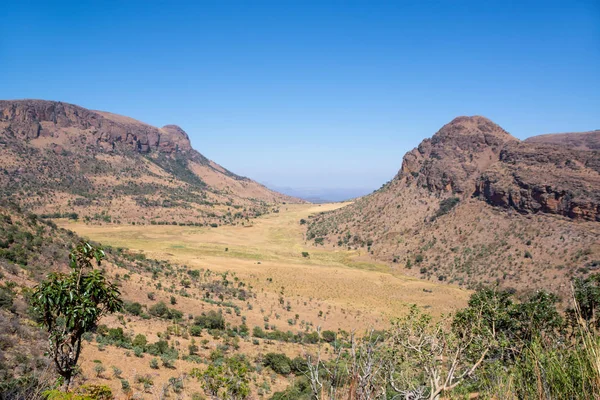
x: 58, y: 158
x: 475, y: 205
x: 580, y: 140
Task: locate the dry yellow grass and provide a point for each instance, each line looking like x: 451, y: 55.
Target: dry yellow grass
x: 268, y: 255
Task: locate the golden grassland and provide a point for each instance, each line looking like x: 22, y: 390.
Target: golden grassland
x: 268, y: 255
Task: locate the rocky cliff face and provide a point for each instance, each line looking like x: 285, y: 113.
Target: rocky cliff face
x: 30, y: 119
x: 533, y: 177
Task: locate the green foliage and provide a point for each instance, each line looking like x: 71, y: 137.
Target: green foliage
x: 125, y: 385
x: 134, y: 308
x: 228, y: 379
x: 587, y: 295
x: 84, y: 392
x: 210, y: 320
x: 328, y: 336
x: 161, y: 310
x: 195, y: 330
x: 6, y: 298
x: 139, y: 341
x: 299, y: 390
x: 278, y: 362
x: 514, y: 325
x: 445, y: 206
x: 72, y: 304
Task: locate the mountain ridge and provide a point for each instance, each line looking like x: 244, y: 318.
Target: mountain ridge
x: 59, y: 157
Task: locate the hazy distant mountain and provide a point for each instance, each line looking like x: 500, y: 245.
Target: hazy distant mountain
x: 322, y: 195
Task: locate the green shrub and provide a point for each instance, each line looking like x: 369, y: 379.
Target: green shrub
x: 278, y: 362
x: 139, y: 341
x: 210, y: 320
x: 133, y: 308
x: 84, y: 392
x: 445, y: 206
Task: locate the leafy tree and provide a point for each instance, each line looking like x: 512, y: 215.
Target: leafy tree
x: 512, y: 325
x: 587, y: 297
x: 72, y: 304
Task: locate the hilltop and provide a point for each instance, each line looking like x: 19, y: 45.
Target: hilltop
x: 475, y: 205
x: 62, y: 159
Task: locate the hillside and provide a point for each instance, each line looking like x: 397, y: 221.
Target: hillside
x: 59, y: 158
x: 475, y: 205
x: 580, y: 140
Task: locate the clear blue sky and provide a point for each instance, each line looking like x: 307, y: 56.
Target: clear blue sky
x: 311, y: 93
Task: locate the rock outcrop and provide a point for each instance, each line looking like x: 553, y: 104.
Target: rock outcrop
x: 536, y: 176
x: 30, y: 119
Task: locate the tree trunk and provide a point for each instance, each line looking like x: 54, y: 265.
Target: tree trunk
x: 66, y: 383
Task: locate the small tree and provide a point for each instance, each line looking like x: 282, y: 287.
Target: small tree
x: 428, y: 353
x: 72, y: 304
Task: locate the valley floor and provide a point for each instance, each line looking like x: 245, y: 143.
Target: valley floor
x: 354, y: 293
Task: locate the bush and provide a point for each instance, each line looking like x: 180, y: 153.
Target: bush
x: 133, y: 308
x: 140, y: 341
x: 125, y: 385
x: 278, y: 362
x: 84, y: 392
x: 258, y: 332
x: 195, y: 330
x: 159, y: 310
x: 138, y: 351
x: 168, y: 361
x: 6, y: 298
x: 328, y: 336
x: 210, y: 320
x: 445, y: 206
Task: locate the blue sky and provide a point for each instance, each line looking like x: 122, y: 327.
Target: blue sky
x: 325, y: 94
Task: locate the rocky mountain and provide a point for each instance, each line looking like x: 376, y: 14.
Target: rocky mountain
x: 475, y: 205
x: 59, y: 158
